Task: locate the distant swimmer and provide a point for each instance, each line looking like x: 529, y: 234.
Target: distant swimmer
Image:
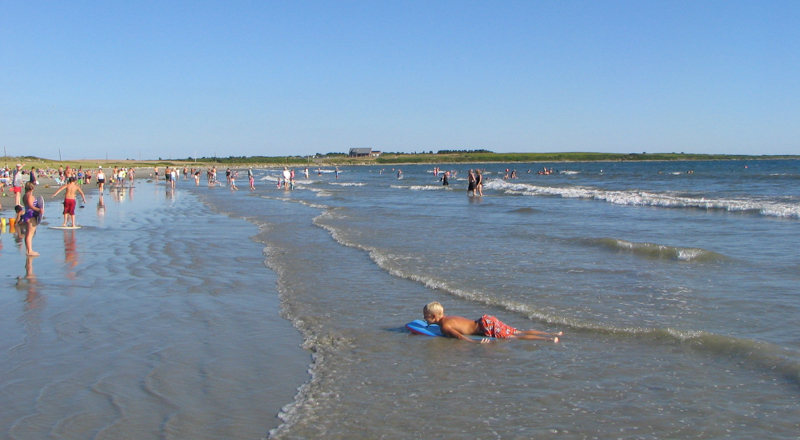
x: 488, y: 326
x: 399, y: 173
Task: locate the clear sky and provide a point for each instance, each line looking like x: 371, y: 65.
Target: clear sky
x: 141, y: 79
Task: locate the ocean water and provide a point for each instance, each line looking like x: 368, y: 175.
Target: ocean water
x: 676, y: 293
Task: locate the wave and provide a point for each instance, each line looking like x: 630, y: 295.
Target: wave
x: 658, y: 251
x: 320, y: 192
x: 757, y: 354
x: 646, y: 198
x: 524, y: 211
x: 347, y: 184
x: 420, y: 187
x: 298, y: 201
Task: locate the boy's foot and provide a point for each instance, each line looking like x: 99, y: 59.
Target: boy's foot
x: 559, y: 333
x: 32, y: 254
x: 555, y: 340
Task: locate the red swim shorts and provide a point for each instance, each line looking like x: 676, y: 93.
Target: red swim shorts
x: 16, y: 189
x: 69, y: 206
x: 494, y: 328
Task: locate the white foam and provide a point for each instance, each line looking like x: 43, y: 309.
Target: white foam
x: 646, y: 198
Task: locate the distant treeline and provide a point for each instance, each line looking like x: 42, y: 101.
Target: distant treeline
x: 564, y: 157
x: 463, y: 151
x: 277, y: 160
x: 464, y: 156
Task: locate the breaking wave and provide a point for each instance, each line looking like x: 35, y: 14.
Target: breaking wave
x: 646, y: 198
x: 658, y: 251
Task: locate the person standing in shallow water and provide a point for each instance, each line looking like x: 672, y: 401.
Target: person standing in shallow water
x: 33, y: 213
x: 471, y: 183
x: 70, y: 200
x: 478, y: 182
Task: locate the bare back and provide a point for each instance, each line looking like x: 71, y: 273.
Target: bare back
x: 457, y: 326
x: 70, y: 191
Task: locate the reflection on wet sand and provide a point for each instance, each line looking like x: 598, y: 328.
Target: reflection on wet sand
x: 33, y: 299
x: 70, y: 253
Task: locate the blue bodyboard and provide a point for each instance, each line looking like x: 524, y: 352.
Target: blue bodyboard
x: 420, y: 327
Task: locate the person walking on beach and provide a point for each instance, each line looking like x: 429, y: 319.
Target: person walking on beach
x: 101, y: 178
x: 33, y: 213
x: 174, y: 176
x: 17, y: 181
x: 251, y: 179
x: 71, y: 189
x: 232, y: 180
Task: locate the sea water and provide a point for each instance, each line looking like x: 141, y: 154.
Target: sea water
x: 674, y: 284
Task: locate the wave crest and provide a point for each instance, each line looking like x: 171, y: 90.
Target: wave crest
x: 647, y: 198
x: 659, y: 251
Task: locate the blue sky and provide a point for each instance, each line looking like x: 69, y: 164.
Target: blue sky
x: 178, y: 79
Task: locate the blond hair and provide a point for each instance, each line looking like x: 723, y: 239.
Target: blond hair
x: 433, y: 308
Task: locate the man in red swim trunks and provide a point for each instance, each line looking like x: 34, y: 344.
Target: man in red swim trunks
x: 489, y: 326
x: 69, y: 200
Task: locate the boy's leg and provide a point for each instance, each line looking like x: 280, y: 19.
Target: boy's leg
x: 538, y: 333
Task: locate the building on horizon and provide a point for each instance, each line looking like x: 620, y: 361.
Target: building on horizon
x: 363, y: 152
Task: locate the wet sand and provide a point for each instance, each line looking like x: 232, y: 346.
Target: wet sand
x: 156, y: 319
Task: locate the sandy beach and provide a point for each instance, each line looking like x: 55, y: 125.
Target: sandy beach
x: 139, y: 324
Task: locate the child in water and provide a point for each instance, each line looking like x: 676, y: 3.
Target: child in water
x: 489, y: 326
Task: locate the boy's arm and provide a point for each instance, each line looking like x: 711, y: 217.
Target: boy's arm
x: 59, y: 190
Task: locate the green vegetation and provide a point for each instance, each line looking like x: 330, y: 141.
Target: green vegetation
x: 560, y: 157
x: 441, y: 157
